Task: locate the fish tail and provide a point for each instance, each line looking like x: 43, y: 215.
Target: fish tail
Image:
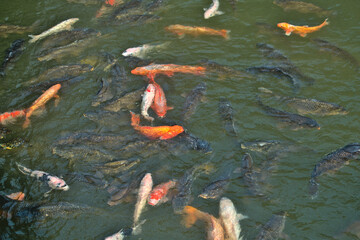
x: 200, y: 70
x: 135, y: 119
x: 10, y: 117
x: 225, y: 33
x: 265, y: 90
x: 326, y: 22
x: 23, y: 169
x: 33, y: 38
x: 191, y: 216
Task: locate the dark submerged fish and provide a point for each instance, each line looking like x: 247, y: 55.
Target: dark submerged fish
x: 193, y: 100
x: 273, y: 229
x: 222, y: 71
x: 333, y: 162
x: 302, y: 7
x: 135, y: 62
x: 251, y: 176
x: 295, y: 121
x: 107, y: 118
x: 266, y: 146
x: 13, y: 52
x: 104, y: 94
x: 90, y: 138
x: 127, y: 101
x: 184, y: 186
x: 308, y: 106
x: 215, y: 189
x: 341, y: 53
x: 117, y: 166
x: 6, y: 29
x: 226, y: 112
x: 63, y: 71
x: 66, y: 37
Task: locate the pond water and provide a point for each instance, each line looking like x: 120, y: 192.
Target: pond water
x: 336, y: 80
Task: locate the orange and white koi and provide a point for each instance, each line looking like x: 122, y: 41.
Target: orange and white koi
x: 41, y: 101
x: 182, y: 30
x: 18, y: 196
x: 147, y: 101
x: 159, y: 105
x: 214, y: 229
x: 168, y: 69
x: 9, y: 117
x: 158, y: 194
x: 160, y: 132
x: 300, y: 30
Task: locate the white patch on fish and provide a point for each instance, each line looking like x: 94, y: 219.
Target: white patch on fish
x: 230, y: 219
x: 147, y: 100
x: 64, y: 25
x: 143, y: 50
x: 212, y: 10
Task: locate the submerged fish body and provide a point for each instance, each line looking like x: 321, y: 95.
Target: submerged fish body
x: 53, y: 181
x: 64, y: 25
x: 143, y: 50
x: 6, y: 29
x: 273, y: 229
x: 332, y: 162
x: 127, y: 101
x: 251, y: 176
x: 193, y: 99
x: 302, y: 7
x: 308, y: 106
x: 214, y: 229
x: 329, y: 47
x: 212, y: 10
x: 215, y: 189
x: 66, y: 37
x: 300, y: 30
x: 147, y: 101
x: 295, y: 121
x: 182, y: 30
x: 104, y: 94
x: 230, y: 219
x: 159, y: 104
x: 266, y: 147
x: 62, y: 71
x: 13, y: 52
x: 227, y: 114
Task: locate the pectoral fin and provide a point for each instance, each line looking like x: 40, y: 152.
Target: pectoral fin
x: 219, y: 13
x: 303, y: 34
x: 288, y: 32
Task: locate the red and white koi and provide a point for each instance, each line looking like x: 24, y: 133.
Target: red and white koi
x: 159, y: 105
x: 9, y: 117
x: 158, y: 194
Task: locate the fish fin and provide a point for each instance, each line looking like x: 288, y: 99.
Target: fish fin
x: 151, y: 77
x: 303, y: 34
x: 190, y: 217
x: 240, y: 217
x: 205, y: 9
x: 23, y: 169
x: 219, y: 13
x: 33, y: 38
x: 18, y: 196
x: 180, y: 35
x: 326, y: 22
x: 57, y: 100
x: 169, y: 108
x: 135, y: 119
x: 47, y: 193
x: 26, y: 123
x: 225, y: 33
x: 265, y: 90
x: 169, y: 74
x: 166, y: 136
x: 288, y: 32
x: 137, y: 229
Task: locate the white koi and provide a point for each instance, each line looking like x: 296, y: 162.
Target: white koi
x: 144, y: 191
x: 212, y: 10
x: 147, y: 101
x: 143, y: 50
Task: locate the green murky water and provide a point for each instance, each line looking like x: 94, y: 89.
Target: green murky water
x: 324, y: 217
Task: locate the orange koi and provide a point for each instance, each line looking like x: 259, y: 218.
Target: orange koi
x: 158, y: 194
x: 160, y: 132
x: 182, y: 30
x: 301, y: 30
x: 41, y: 101
x: 9, y: 117
x: 18, y: 196
x: 159, y: 104
x: 168, y: 69
x: 214, y: 229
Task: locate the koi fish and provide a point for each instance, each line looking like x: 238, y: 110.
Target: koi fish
x: 53, y: 181
x: 212, y: 10
x: 158, y: 194
x: 168, y: 69
x: 160, y: 132
x: 182, y: 30
x: 41, y: 101
x: 301, y: 30
x: 64, y: 25
x: 159, y: 105
x: 147, y: 101
x: 143, y: 50
x: 144, y: 191
x: 18, y: 196
x: 214, y: 229
x: 9, y: 117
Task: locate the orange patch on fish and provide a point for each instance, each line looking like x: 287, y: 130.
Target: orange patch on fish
x: 18, y: 196
x: 300, y: 30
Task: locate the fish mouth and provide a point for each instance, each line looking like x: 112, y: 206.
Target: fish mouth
x: 65, y: 188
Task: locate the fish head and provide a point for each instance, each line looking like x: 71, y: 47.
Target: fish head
x: 154, y: 199
x: 73, y: 20
x: 139, y: 71
x: 56, y: 87
x: 131, y: 51
x: 175, y: 130
x: 310, y: 123
x: 352, y: 148
x: 284, y: 25
x: 208, y: 14
x: 57, y: 183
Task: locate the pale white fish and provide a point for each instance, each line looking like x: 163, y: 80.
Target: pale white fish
x: 64, y: 25
x: 144, y: 191
x: 143, y: 50
x: 147, y: 100
x: 212, y: 10
x: 230, y: 219
x: 122, y: 233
